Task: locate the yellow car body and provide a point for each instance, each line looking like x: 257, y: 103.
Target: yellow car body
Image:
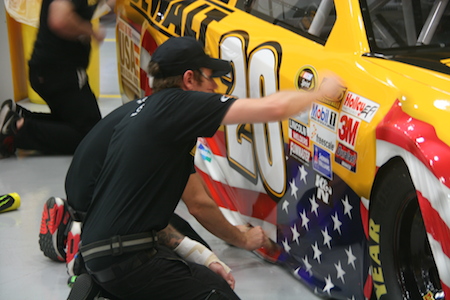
x: 307, y: 178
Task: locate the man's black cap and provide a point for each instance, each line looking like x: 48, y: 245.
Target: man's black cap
x: 179, y: 54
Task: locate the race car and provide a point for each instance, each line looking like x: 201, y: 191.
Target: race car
x: 356, y: 193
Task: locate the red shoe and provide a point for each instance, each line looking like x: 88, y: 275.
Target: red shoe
x: 73, y: 243
x: 52, y: 236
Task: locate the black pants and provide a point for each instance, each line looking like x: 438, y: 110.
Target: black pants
x: 166, y: 276
x: 74, y: 111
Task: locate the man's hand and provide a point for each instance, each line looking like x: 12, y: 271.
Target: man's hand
x: 99, y: 34
x: 220, y: 270
x: 255, y: 237
x: 332, y: 87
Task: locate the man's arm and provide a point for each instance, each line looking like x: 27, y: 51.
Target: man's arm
x: 66, y: 23
x: 208, y: 214
x: 194, y: 252
x: 280, y: 105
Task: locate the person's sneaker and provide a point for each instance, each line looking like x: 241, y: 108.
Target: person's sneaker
x: 9, y: 202
x: 84, y: 288
x: 14, y: 107
x: 8, y: 122
x: 52, y: 235
x: 8, y: 129
x: 73, y: 242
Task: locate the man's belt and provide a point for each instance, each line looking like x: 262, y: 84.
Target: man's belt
x: 119, y: 244
x: 122, y: 268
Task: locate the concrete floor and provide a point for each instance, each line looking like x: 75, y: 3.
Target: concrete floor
x: 25, y: 273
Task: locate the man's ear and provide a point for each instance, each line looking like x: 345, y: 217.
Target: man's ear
x: 189, y: 80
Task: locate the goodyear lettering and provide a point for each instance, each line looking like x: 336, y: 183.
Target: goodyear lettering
x: 380, y: 289
x: 324, y: 191
x: 324, y: 116
x: 348, y: 128
x: 374, y: 252
x: 374, y: 231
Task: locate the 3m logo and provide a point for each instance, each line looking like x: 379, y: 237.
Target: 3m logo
x: 446, y: 62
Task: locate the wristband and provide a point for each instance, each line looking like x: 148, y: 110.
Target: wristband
x: 195, y: 252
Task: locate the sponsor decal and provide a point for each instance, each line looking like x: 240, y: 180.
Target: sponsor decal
x: 306, y: 78
x: 428, y: 296
x: 324, y: 191
x: 299, y: 153
x: 324, y: 116
x: 346, y: 157
x: 205, y: 153
x: 360, y: 107
x: 129, y: 56
x: 322, y: 162
x: 323, y: 137
x: 348, y: 129
x: 298, y: 132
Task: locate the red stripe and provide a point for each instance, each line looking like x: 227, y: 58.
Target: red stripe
x: 434, y: 224
x: 144, y: 82
x: 417, y: 137
x: 368, y: 287
x: 364, y: 218
x: 249, y: 203
x: 217, y: 143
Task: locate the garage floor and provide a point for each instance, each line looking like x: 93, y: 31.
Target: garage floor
x: 24, y: 271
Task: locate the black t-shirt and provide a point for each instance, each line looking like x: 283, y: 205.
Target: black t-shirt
x: 148, y: 162
x: 52, y: 50
x: 89, y: 156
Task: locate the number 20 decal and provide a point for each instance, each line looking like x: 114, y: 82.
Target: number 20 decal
x: 255, y: 150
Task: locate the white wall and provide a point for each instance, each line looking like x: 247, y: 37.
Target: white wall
x: 6, y: 84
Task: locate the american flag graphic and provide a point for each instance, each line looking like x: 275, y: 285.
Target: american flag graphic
x: 317, y: 223
x: 320, y: 229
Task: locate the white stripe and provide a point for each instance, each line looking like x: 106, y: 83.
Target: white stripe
x: 432, y: 189
x: 424, y: 180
